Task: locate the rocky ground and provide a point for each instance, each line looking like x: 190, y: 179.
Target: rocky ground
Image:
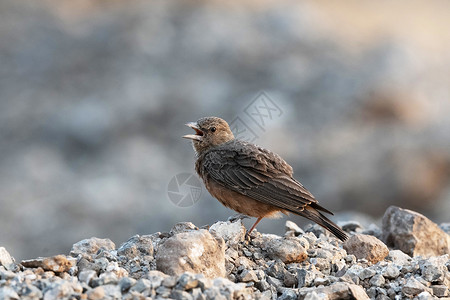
x: 407, y: 258
x: 94, y: 96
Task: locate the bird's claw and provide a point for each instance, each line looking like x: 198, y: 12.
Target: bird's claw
x: 247, y: 238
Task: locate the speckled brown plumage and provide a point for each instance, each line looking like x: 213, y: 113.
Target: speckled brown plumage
x: 249, y: 179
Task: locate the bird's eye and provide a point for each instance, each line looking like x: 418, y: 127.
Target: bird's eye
x: 213, y: 129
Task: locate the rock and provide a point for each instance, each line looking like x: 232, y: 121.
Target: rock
x: 329, y: 273
x: 304, y: 242
x: 322, y: 264
x: 440, y: 290
x: 434, y: 269
x: 112, y: 291
x: 445, y: 227
x: 182, y: 227
x: 372, y: 292
x: 96, y: 293
x: 162, y: 291
x: 288, y: 250
x: 356, y: 292
x: 366, y: 247
x: 274, y: 282
x: 180, y: 295
x: 316, y: 229
x: 291, y: 226
x: 30, y: 292
x: 137, y: 245
x: 106, y: 278
x: 374, y: 230
x: 231, y: 232
x: 194, y: 251
x: 410, y: 268
x: 6, y: 260
x: 338, y: 290
x: 119, y: 271
x: 229, y: 289
x: 126, y: 283
x: 58, y: 263
x: 187, y: 281
x: 366, y: 273
x: 214, y: 293
x: 354, y: 272
x: 100, y: 264
x: 7, y: 293
x: 310, y: 238
x: 204, y: 283
x: 169, y: 282
x: 413, y: 233
x: 247, y: 252
x: 248, y: 276
x: 288, y: 294
x: 398, y: 257
x: 91, y: 246
x: 263, y: 285
x: 321, y: 281
x: 377, y: 280
x: 143, y: 285
x: 413, y: 287
x: 339, y: 267
x: 323, y: 253
x: 315, y: 296
x: 306, y: 277
x: 276, y: 269
x: 5, y: 274
x: 382, y: 297
x: 155, y: 278
x: 424, y: 296
x: 244, y: 263
x: 349, y: 226
x: 391, y: 271
x: 58, y: 290
x: 290, y: 279
x: 197, y: 294
x: 86, y: 276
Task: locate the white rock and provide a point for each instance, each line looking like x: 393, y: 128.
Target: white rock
x: 6, y: 260
x: 413, y: 287
x: 425, y: 296
x: 231, y: 232
x: 91, y: 246
x: 195, y: 251
x: 399, y: 257
x: 8, y: 293
x: 391, y: 271
x: 316, y: 296
x: 291, y: 226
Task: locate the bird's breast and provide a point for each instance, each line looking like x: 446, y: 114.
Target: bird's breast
x: 241, y: 203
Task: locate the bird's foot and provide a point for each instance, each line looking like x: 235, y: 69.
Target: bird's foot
x: 237, y: 217
x: 247, y: 238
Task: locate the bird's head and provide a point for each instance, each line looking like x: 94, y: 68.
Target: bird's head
x: 209, y: 132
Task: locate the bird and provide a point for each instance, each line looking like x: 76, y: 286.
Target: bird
x: 249, y: 179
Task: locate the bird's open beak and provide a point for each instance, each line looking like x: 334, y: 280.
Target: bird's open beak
x: 198, y: 136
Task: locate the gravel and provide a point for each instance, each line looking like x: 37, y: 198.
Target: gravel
x: 193, y: 263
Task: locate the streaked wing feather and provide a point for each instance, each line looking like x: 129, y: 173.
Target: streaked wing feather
x: 259, y: 180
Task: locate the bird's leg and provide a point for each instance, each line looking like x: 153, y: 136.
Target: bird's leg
x: 247, y: 235
x: 236, y: 217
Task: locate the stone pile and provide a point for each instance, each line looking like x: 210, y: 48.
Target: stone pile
x: 217, y: 262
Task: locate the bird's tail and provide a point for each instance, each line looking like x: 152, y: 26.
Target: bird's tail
x: 317, y: 217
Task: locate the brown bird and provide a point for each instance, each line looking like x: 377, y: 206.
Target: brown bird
x: 249, y: 179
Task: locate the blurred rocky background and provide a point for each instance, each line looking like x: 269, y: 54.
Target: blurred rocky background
x: 94, y: 95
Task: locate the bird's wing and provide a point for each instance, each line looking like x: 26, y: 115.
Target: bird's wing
x: 259, y: 174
